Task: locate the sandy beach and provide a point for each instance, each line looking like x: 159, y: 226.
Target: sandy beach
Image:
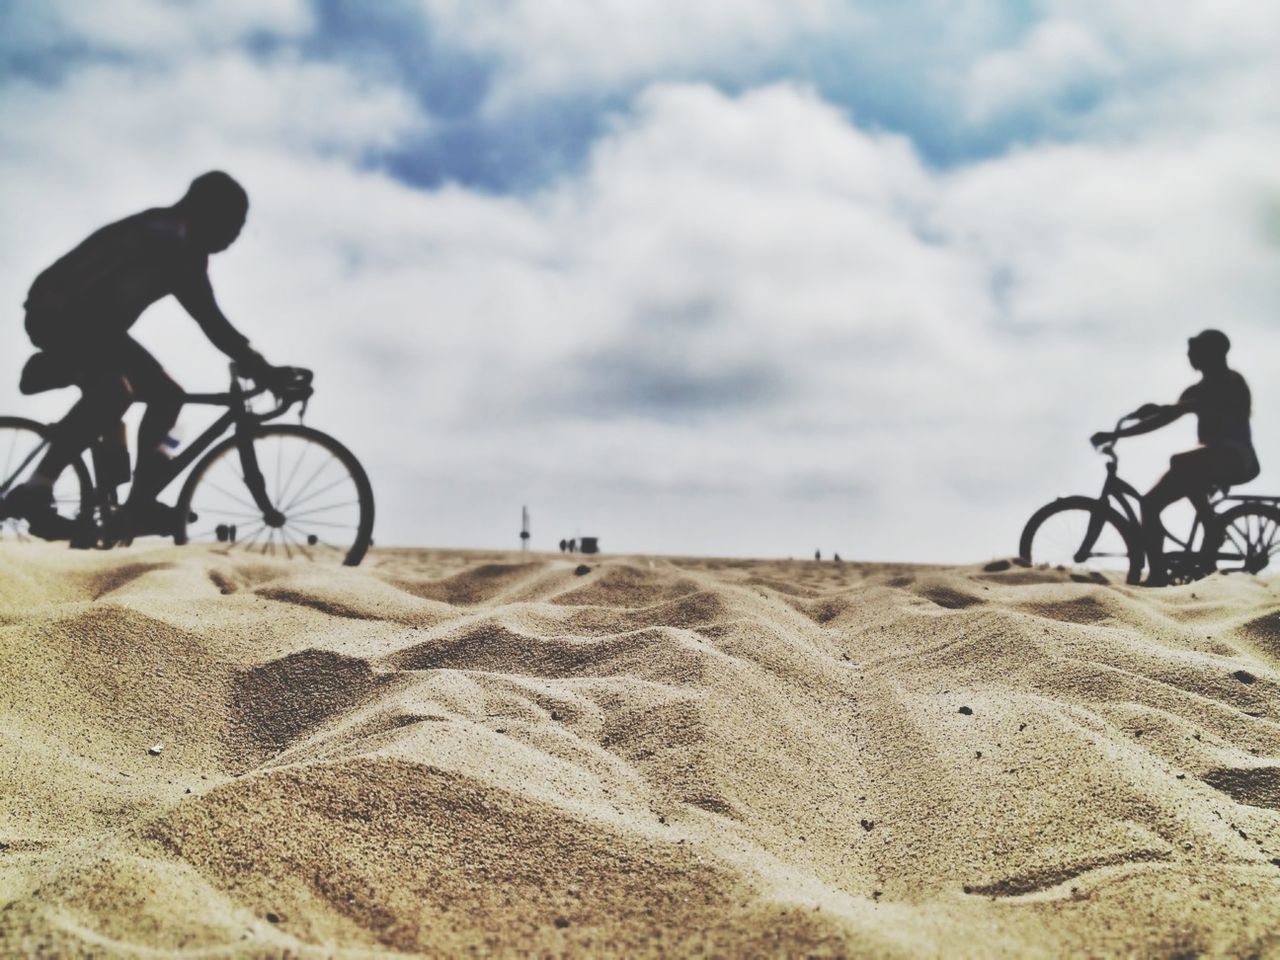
x: 447, y: 752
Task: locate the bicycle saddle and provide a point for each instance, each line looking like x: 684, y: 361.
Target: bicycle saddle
x: 41, y: 373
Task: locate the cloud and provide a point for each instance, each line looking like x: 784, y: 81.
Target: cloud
x: 566, y: 48
x: 1057, y: 60
x: 744, y: 320
x: 154, y: 29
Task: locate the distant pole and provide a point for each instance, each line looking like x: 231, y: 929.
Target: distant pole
x: 524, y: 529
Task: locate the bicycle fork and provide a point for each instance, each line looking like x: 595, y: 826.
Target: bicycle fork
x: 1091, y: 534
x: 255, y: 481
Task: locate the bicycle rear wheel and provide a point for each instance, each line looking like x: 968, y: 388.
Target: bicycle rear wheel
x: 320, y: 500
x: 1082, y: 532
x: 1250, y: 540
x: 23, y: 443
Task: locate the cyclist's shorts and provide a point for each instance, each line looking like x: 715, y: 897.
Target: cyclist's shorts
x: 1230, y: 463
x: 87, y: 361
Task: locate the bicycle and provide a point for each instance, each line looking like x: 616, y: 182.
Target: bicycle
x: 1231, y: 534
x: 266, y: 488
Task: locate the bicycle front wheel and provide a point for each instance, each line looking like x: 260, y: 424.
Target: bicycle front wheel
x: 1250, y: 540
x: 317, y: 498
x: 1082, y: 532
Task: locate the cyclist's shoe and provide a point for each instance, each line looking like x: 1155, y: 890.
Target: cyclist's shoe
x: 149, y: 518
x: 35, y: 505
x: 85, y: 537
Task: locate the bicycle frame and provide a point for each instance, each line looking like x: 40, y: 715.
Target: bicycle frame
x: 1128, y: 500
x: 240, y: 418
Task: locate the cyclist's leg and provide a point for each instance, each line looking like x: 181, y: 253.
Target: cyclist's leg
x: 1190, y: 475
x: 163, y: 397
x: 105, y: 395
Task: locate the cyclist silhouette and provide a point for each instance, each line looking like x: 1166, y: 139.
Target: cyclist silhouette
x: 78, y: 314
x: 1221, y: 403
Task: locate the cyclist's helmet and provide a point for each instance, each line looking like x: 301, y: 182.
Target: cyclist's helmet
x: 215, y: 206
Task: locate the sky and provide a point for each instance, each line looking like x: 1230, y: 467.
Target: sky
x: 741, y: 277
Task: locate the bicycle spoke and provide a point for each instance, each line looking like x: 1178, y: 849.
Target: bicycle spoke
x: 247, y: 544
x: 1275, y: 531
x: 203, y: 510
x: 326, y: 509
x: 8, y: 461
x: 312, y: 479
x: 232, y: 496
x: 315, y: 493
x: 323, y: 523
x: 288, y: 484
x: 300, y: 544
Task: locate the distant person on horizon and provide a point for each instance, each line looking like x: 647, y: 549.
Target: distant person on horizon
x: 1222, y: 404
x: 78, y: 314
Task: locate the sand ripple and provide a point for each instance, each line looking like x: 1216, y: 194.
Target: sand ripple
x: 445, y: 753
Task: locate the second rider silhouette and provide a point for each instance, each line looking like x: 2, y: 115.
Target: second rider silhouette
x: 79, y: 312
x: 1222, y: 405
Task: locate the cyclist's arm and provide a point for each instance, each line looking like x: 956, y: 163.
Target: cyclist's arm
x: 196, y: 297
x: 1152, y: 416
x: 1160, y: 416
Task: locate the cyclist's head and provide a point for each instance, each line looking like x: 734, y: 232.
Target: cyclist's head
x: 1208, y: 349
x: 215, y: 207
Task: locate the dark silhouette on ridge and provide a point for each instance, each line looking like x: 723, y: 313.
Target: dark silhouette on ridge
x: 78, y: 314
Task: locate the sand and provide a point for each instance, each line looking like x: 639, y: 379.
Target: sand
x: 448, y: 752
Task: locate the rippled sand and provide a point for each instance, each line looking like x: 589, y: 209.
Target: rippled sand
x: 446, y: 752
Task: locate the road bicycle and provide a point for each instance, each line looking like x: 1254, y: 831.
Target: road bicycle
x: 1231, y: 534
x: 275, y: 489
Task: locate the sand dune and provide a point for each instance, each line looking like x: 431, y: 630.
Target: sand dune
x: 455, y: 752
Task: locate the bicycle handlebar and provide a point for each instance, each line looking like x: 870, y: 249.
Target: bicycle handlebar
x: 1108, y: 449
x: 293, y: 387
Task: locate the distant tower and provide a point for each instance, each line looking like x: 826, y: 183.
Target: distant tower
x: 524, y: 528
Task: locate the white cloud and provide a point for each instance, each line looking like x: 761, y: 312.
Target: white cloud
x: 1056, y: 58
x: 564, y: 46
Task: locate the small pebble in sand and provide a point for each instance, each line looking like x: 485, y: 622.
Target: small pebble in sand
x: 997, y: 566
x: 1244, y: 676
x: 561, y: 922
x: 582, y: 570
x: 868, y: 824
x: 967, y: 711
x: 155, y: 749
x: 273, y: 917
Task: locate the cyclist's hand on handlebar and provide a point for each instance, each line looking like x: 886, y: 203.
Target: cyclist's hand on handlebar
x: 286, y: 381
x: 1102, y: 438
x: 276, y: 379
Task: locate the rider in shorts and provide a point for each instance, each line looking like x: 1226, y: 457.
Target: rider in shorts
x: 1221, y: 403
x: 78, y: 314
